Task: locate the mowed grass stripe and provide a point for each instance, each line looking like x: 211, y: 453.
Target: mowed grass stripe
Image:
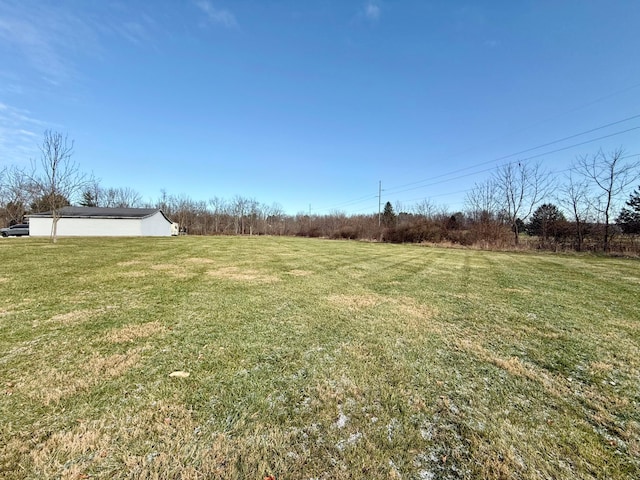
x: 315, y: 359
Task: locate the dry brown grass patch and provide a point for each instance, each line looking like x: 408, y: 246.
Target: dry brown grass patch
x: 516, y: 290
x: 200, y: 261
x: 600, y: 367
x: 112, y: 365
x: 512, y: 365
x: 50, y: 384
x: 129, y: 333
x: 410, y: 307
x: 409, y: 312
x: 68, y: 454
x: 135, y: 274
x: 91, y: 445
x: 177, y: 271
x: 554, y: 384
x: 242, y: 275
x: 356, y: 302
x: 416, y: 316
x: 6, y: 311
x: 300, y: 273
x: 129, y: 263
x: 75, y: 316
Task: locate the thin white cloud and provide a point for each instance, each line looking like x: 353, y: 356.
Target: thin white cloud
x: 135, y: 27
x: 52, y: 39
x: 35, y: 44
x: 48, y: 38
x: 217, y: 15
x: 15, y: 116
x: 19, y: 133
x: 372, y: 11
x: 134, y: 32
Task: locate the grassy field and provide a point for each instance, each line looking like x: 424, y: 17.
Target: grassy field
x: 312, y: 359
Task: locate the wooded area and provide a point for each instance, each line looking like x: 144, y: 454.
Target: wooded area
x: 520, y: 205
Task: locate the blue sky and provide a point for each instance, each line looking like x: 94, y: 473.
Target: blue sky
x: 309, y: 104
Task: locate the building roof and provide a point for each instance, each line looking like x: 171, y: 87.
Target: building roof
x: 101, y: 212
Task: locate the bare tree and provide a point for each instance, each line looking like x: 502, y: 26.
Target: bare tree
x: 219, y: 210
x: 481, y: 202
x: 163, y: 202
x: 253, y: 214
x: 120, y: 197
x: 274, y: 219
x: 425, y: 208
x: 182, y: 210
x: 238, y: 208
x: 520, y: 188
x: 56, y: 176
x: 608, y: 176
x: 573, y: 197
x: 16, y: 193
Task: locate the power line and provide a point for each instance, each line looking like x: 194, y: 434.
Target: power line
x: 371, y: 210
x: 348, y: 203
x: 399, y: 188
x: 553, y: 172
x: 521, y: 160
x: 523, y: 151
x: 558, y: 115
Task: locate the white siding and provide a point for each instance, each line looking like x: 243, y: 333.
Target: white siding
x: 156, y: 226
x: 39, y: 227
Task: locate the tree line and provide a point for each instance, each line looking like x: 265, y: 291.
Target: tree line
x: 519, y: 205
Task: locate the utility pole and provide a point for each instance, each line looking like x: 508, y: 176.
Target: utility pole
x: 379, y: 202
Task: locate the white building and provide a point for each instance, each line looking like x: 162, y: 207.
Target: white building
x: 103, y: 222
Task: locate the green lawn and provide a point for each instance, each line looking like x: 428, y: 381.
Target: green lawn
x: 312, y: 359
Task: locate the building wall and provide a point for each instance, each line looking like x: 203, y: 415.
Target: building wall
x: 39, y: 227
x: 154, y: 226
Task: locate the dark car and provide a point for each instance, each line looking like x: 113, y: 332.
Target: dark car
x: 15, y: 230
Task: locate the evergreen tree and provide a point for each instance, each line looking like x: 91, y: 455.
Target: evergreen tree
x: 44, y: 202
x: 388, y: 215
x: 88, y: 199
x: 545, y: 221
x: 629, y: 218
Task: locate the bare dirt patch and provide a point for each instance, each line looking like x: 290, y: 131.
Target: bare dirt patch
x: 243, y: 275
